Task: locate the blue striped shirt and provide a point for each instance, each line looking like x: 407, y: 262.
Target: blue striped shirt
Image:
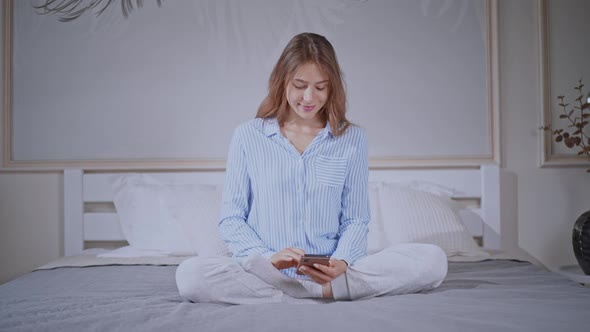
x: 275, y: 198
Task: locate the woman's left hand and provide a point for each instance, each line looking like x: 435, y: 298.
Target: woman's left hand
x: 325, y: 273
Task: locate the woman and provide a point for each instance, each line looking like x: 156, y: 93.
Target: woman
x: 296, y: 183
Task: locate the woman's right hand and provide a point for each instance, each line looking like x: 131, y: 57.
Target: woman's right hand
x: 286, y: 258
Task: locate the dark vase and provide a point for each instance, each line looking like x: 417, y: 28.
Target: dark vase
x: 581, y: 241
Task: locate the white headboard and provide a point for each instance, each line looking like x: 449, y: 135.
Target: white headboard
x: 89, y: 214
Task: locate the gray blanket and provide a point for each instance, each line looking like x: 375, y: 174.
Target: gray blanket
x: 495, y: 295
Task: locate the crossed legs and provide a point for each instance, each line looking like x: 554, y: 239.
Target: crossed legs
x: 399, y: 269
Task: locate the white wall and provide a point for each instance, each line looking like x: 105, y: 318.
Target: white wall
x: 30, y: 218
x: 543, y: 203
x: 30, y: 221
x: 548, y: 200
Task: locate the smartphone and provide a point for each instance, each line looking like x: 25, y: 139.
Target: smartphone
x: 309, y: 260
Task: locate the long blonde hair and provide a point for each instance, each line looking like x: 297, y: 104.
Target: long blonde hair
x: 307, y: 48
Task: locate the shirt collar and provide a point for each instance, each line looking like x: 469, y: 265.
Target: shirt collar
x: 271, y: 128
x: 327, y: 130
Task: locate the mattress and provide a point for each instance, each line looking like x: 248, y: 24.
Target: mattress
x: 492, y: 295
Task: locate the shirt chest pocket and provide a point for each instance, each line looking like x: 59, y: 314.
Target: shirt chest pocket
x: 330, y: 171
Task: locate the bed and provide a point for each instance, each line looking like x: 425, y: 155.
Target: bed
x: 96, y: 288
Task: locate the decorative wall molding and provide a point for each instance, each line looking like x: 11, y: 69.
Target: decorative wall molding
x: 549, y: 157
x: 494, y: 157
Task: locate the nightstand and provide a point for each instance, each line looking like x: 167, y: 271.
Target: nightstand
x: 575, y: 273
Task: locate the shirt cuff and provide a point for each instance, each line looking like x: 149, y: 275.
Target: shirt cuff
x: 348, y: 258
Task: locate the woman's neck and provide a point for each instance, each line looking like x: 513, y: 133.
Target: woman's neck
x: 301, y: 134
x: 303, y: 125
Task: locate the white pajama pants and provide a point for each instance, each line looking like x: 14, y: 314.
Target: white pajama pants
x: 399, y: 269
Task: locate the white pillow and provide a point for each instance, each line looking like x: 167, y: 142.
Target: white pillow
x: 430, y: 187
x: 376, y: 239
x: 411, y: 215
x: 177, y: 218
x: 196, y: 209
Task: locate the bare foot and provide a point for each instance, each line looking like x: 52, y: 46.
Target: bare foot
x: 327, y: 291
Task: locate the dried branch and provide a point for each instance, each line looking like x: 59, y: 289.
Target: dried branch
x: 577, y: 117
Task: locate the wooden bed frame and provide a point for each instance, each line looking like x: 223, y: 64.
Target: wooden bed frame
x: 90, y: 215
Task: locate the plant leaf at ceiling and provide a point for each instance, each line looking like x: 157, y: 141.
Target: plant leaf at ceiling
x: 69, y: 10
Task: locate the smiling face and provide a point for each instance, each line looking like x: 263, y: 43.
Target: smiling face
x: 307, y: 93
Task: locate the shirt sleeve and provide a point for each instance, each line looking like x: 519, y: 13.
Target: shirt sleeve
x: 240, y: 237
x: 355, y: 215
